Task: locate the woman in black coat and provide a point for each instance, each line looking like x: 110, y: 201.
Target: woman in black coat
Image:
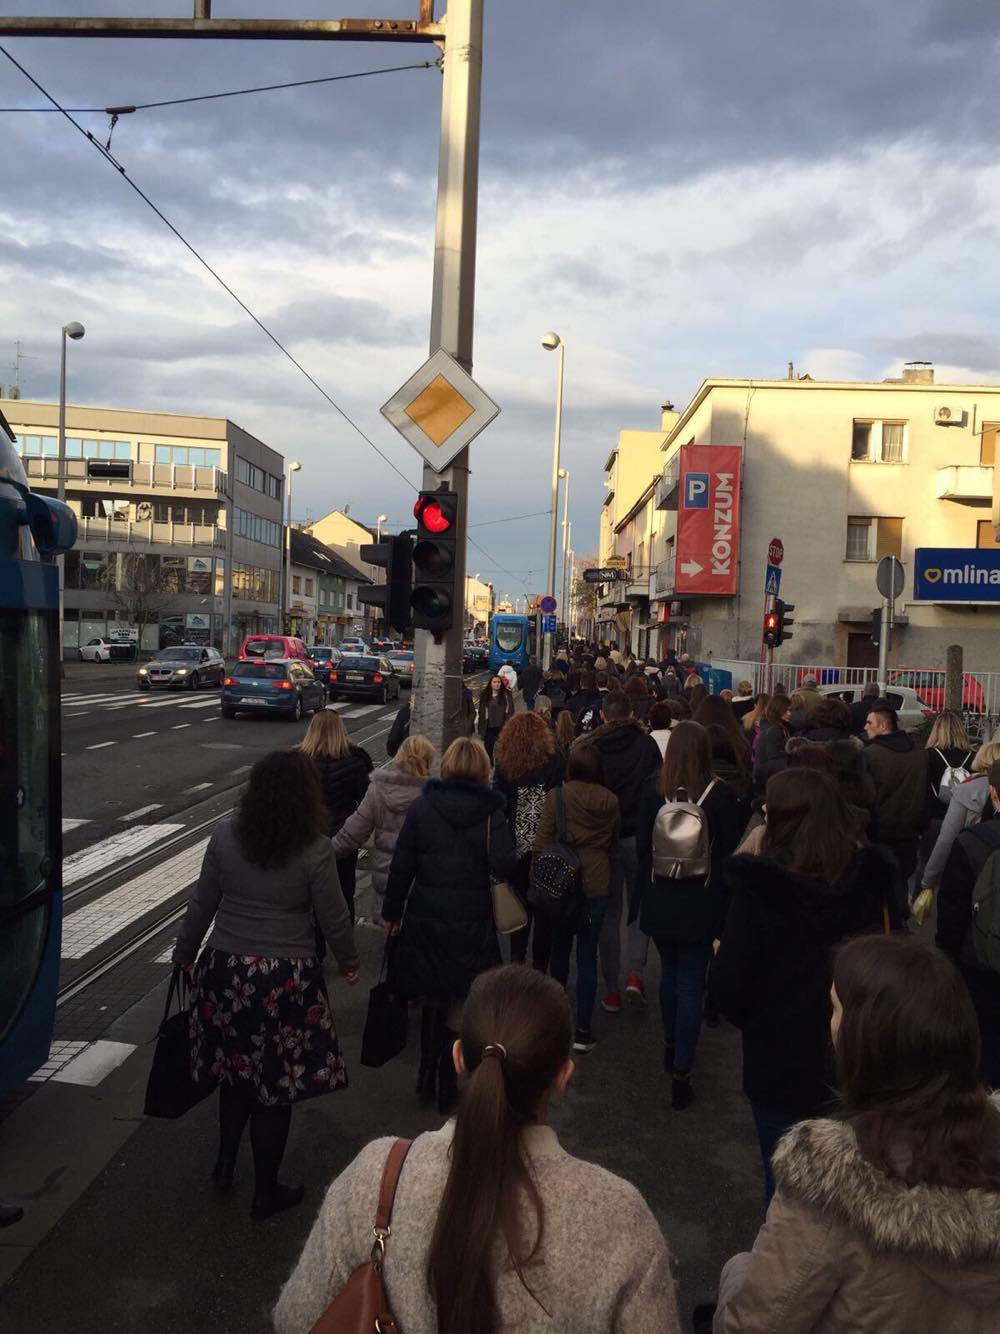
x: 343, y: 774
x: 438, y: 902
x: 813, y: 886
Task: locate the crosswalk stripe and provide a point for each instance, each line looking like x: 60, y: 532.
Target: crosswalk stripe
x: 365, y: 708
x: 157, y: 703
x: 67, y: 825
x: 143, y: 810
x: 199, y: 704
x: 100, y: 856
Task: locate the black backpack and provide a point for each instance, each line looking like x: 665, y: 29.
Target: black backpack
x: 556, y: 890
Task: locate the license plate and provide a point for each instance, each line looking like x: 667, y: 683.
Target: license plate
x: 247, y: 700
x: 354, y: 676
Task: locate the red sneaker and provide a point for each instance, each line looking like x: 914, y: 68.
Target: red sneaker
x: 612, y: 1002
x: 635, y: 989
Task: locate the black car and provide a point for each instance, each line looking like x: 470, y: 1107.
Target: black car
x: 324, y: 658
x: 364, y: 676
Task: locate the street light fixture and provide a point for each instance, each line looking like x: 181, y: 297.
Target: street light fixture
x: 73, y: 330
x: 285, y: 603
x: 550, y: 342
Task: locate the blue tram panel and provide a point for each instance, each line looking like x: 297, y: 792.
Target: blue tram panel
x: 512, y: 640
x: 30, y: 796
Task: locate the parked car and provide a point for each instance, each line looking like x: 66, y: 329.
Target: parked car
x: 189, y: 665
x: 274, y: 646
x: 354, y: 644
x: 103, y: 650
x: 474, y: 657
x: 930, y: 687
x: 324, y: 657
x: 402, y: 662
x: 285, y: 686
x: 905, y: 701
x: 364, y: 676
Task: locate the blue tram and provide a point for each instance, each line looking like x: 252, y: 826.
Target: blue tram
x: 513, y: 639
x: 31, y: 527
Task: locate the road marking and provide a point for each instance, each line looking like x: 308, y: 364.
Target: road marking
x: 67, y: 825
x: 94, y: 1063
x: 365, y: 708
x: 144, y: 810
x: 96, y: 699
x: 157, y: 703
x: 198, y: 787
x: 216, y: 719
x: 99, y: 856
x: 137, y: 735
x: 242, y: 768
x: 89, y: 927
x: 177, y: 727
x: 74, y: 715
x: 99, y: 745
x: 338, y: 707
x: 199, y: 704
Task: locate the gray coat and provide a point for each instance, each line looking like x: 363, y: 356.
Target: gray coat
x: 965, y: 809
x: 272, y: 913
x: 381, y: 813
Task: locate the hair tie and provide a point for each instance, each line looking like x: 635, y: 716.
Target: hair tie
x: 496, y: 1049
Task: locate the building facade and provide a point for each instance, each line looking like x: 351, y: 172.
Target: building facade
x: 180, y: 523
x: 478, y: 605
x: 843, y: 473
x: 323, y: 591
x: 346, y: 536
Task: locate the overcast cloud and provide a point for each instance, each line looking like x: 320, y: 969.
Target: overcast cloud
x: 705, y: 187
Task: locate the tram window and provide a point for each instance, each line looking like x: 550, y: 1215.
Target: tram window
x: 509, y: 635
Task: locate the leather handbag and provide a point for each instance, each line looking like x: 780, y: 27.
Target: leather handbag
x: 362, y: 1304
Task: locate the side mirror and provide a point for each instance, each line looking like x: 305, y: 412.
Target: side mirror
x: 52, y: 523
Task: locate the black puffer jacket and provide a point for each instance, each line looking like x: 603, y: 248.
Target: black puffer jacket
x: 630, y: 756
x: 774, y: 968
x: 345, y: 782
x: 440, y: 876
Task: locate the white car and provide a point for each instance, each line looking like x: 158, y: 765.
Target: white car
x: 103, y: 650
x: 909, y: 706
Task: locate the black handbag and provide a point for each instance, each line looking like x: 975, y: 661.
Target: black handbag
x: 387, y: 1019
x: 170, y: 1090
x: 556, y: 888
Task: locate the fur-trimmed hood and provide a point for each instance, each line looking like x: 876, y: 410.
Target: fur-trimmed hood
x: 951, y: 1235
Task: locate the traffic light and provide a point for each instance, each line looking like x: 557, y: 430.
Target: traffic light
x: 771, y: 629
x: 434, y: 566
x: 784, y: 620
x: 395, y: 556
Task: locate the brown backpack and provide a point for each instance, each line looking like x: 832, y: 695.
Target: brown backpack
x: 362, y: 1304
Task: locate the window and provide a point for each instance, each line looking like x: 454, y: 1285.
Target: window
x: 988, y: 445
x: 871, y: 539
x: 861, y: 441
x: 309, y: 588
x: 878, y: 442
x: 350, y: 602
x: 189, y: 456
x: 296, y: 583
x: 892, y: 442
x: 986, y: 534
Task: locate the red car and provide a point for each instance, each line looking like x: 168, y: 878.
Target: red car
x: 930, y: 687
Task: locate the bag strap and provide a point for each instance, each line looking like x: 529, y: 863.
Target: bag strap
x: 944, y: 757
x: 706, y: 792
x: 560, y: 814
x: 177, y: 980
x: 387, y: 1192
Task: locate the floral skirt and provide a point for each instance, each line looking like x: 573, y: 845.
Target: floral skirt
x: 264, y: 1025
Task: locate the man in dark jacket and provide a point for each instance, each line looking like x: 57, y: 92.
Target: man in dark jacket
x: 899, y: 769
x: 630, y: 756
x: 862, y: 707
x: 528, y: 680
x: 970, y: 853
x: 399, y: 731
x: 585, y: 704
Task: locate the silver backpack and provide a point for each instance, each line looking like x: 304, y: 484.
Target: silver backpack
x: 682, y: 845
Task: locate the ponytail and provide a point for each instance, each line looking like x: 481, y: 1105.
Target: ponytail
x: 516, y: 1036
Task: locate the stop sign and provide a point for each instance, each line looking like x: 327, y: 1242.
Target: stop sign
x: 775, y: 551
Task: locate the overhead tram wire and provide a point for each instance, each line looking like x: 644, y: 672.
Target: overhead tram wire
x: 109, y: 157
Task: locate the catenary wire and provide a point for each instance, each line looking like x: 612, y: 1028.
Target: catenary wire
x: 487, y: 523
x: 128, y: 108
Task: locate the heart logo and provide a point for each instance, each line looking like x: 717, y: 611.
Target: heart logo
x: 932, y: 575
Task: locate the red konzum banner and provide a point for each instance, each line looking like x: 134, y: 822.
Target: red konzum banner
x: 708, y: 520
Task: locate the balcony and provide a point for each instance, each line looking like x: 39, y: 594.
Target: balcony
x: 666, y: 488
x: 108, y: 474
x: 662, y: 579
x: 146, y: 533
x: 968, y: 485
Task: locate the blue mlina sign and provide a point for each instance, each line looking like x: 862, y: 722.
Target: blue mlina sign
x: 696, y: 491
x: 956, y: 574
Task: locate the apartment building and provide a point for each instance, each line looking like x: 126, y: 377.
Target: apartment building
x: 322, y: 605
x: 843, y: 473
x: 180, y: 523
x: 478, y: 605
x: 346, y: 536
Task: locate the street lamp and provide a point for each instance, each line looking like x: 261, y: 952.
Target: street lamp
x: 285, y: 604
x: 73, y: 330
x: 564, y: 474
x: 550, y: 342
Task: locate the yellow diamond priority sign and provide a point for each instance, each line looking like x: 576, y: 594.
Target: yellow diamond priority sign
x: 440, y: 410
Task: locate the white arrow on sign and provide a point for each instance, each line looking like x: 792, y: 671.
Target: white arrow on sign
x: 691, y: 567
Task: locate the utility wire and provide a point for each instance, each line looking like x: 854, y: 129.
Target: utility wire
x: 212, y: 97
x: 109, y: 157
x: 486, y: 523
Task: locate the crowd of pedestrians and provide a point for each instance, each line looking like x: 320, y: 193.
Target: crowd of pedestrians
x: 780, y: 851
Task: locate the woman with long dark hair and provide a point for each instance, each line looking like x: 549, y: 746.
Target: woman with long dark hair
x: 496, y: 705
x: 526, y: 766
x: 772, y: 737
x: 887, y: 1218
x: 714, y: 710
x: 260, y: 1024
x: 637, y: 690
x: 813, y: 885
x: 683, y: 912
x: 495, y: 1227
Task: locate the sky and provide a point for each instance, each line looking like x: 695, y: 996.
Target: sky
x: 680, y: 190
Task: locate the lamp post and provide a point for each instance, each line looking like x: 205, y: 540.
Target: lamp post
x: 75, y: 331
x: 285, y: 604
x: 550, y: 342
x: 564, y: 474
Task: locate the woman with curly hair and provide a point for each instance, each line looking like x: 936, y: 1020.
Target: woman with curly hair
x: 260, y: 1021
x: 527, y: 766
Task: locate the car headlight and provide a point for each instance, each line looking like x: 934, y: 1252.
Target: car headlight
x: 143, y: 671
x: 181, y: 671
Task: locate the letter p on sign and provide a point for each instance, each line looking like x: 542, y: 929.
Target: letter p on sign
x: 696, y: 492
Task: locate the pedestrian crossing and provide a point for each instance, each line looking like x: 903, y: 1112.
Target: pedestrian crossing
x: 78, y: 705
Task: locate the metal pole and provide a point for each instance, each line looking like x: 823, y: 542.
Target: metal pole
x: 554, y: 518
x: 228, y: 648
x: 61, y: 487
x: 286, y: 581
x: 883, y: 645
x: 437, y: 687
x: 565, y: 544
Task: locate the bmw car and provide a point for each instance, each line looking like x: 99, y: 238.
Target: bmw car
x: 285, y: 686
x: 186, y: 666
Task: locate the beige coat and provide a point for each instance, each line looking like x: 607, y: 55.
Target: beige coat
x: 845, y: 1249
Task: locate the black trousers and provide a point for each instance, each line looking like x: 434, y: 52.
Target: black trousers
x: 541, y: 945
x: 347, y: 868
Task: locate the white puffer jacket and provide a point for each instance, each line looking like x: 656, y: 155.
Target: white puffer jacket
x: 381, y: 814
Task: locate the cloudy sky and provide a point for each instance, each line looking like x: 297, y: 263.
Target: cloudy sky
x: 679, y: 189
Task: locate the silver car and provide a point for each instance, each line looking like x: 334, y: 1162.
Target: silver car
x: 190, y: 666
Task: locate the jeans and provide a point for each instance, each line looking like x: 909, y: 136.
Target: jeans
x: 624, y: 877
x: 587, y: 936
x: 682, y: 992
x: 771, y: 1123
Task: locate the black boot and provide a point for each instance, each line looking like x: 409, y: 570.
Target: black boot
x: 430, y: 1048
x: 681, y: 1095
x: 447, y: 1074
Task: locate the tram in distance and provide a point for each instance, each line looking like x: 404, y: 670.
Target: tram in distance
x: 31, y: 527
x: 513, y: 640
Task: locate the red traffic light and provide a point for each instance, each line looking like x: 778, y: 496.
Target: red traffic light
x: 436, y: 518
x: 771, y: 621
